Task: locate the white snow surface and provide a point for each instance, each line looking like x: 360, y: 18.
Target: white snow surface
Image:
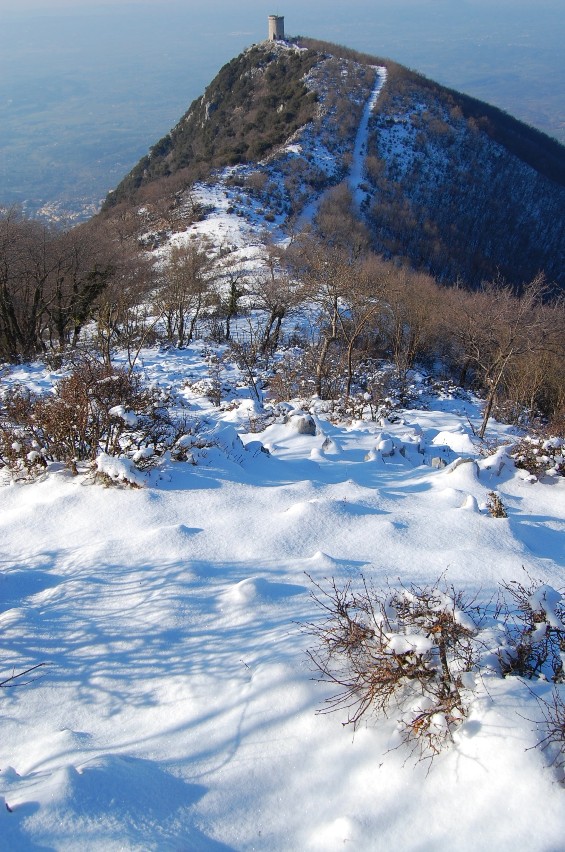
x: 177, y: 706
x: 176, y: 709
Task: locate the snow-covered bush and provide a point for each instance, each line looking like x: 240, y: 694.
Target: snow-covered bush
x: 406, y: 652
x: 95, y: 409
x: 412, y: 654
x: 541, y: 454
x: 534, y: 620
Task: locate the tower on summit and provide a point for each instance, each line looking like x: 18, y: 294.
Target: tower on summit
x: 276, y: 28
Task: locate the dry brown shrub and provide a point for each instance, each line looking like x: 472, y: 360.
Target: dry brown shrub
x: 403, y: 652
x: 97, y: 408
x: 495, y: 506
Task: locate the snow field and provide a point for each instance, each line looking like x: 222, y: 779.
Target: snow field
x: 177, y: 707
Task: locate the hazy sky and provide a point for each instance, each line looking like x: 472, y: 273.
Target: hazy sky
x: 284, y: 6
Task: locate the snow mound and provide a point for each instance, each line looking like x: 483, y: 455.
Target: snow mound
x: 258, y: 590
x: 120, y: 470
x: 335, y: 835
x: 457, y: 440
x: 112, y: 802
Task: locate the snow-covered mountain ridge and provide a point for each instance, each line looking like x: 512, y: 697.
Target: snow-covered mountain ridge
x: 458, y: 188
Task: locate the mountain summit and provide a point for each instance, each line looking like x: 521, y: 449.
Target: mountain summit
x: 447, y: 183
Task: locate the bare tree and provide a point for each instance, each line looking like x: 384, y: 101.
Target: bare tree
x: 186, y: 283
x: 333, y: 277
x: 324, y: 278
x: 84, y: 263
x: 276, y: 293
x: 49, y: 279
x: 26, y: 265
x: 414, y: 317
x: 365, y: 304
x: 498, y: 328
x: 235, y: 277
x: 121, y: 308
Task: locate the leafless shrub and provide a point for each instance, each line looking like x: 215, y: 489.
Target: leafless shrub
x: 403, y: 652
x: 214, y: 383
x: 380, y: 398
x: 97, y: 408
x: 534, y: 620
x: 291, y: 377
x: 495, y: 506
x: 553, y: 727
x: 540, y: 453
x: 258, y: 422
x: 248, y: 357
x: 411, y: 653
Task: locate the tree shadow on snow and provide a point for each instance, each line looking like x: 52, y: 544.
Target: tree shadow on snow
x: 536, y: 534
x: 19, y: 581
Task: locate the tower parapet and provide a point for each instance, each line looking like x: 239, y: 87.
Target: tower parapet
x: 276, y: 28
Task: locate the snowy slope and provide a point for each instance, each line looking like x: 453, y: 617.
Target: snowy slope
x: 283, y: 191
x: 177, y: 708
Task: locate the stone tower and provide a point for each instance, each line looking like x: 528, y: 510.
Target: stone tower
x: 276, y: 28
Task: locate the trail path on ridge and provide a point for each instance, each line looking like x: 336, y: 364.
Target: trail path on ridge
x: 356, y: 173
x: 355, y: 176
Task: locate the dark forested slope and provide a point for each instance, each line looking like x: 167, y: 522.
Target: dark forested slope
x: 254, y: 103
x: 464, y: 190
